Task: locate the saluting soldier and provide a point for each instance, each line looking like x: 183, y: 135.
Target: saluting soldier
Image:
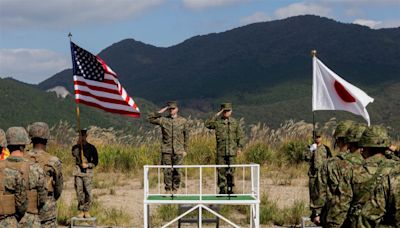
x: 86, y: 158
x: 174, y: 143
x: 33, y: 175
x: 40, y: 133
x: 13, y: 195
x: 230, y: 140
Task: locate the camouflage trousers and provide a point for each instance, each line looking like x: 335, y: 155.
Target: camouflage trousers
x: 29, y: 220
x: 83, y: 188
x: 224, y: 172
x: 9, y: 221
x: 49, y: 210
x: 52, y: 223
x: 172, y: 177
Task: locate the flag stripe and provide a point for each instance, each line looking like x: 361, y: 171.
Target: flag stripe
x: 132, y: 114
x: 96, y: 88
x: 100, y: 98
x: 104, y: 104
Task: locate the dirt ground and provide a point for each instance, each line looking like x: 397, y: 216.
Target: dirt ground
x: 127, y: 193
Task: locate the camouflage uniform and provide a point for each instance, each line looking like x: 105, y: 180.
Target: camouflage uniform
x: 53, y: 170
x: 316, y: 185
x: 230, y: 138
x: 83, y: 177
x: 174, y: 144
x: 13, y: 195
x: 357, y: 196
x: 34, y: 178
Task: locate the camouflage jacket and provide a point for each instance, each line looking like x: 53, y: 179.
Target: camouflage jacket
x: 175, y: 133
x: 338, y: 178
x: 229, y: 134
x: 327, y: 178
x: 13, y: 184
x: 36, y: 179
x: 364, y: 209
x: 317, y: 159
x: 393, y: 214
x: 54, y: 180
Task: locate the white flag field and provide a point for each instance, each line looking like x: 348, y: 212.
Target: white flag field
x: 331, y: 92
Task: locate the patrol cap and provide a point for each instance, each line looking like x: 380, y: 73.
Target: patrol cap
x: 83, y: 131
x: 318, y: 133
x: 355, y: 132
x: 17, y: 136
x: 375, y: 136
x: 226, y: 106
x: 342, y: 128
x: 3, y: 140
x: 39, y: 130
x: 172, y: 104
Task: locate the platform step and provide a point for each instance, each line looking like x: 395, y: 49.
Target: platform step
x: 83, y: 222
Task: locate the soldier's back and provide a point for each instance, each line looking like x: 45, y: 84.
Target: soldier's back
x: 53, y: 182
x: 34, y: 178
x: 13, y: 194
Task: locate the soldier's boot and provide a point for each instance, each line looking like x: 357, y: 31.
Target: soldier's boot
x: 222, y: 190
x: 87, y: 215
x: 174, y: 192
x: 81, y: 214
x: 168, y: 192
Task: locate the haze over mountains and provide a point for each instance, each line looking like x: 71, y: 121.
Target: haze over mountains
x: 263, y: 68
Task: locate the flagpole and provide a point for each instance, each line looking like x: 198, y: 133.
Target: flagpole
x: 313, y: 54
x: 78, y: 116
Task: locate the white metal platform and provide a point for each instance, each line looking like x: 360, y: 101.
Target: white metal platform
x: 200, y: 190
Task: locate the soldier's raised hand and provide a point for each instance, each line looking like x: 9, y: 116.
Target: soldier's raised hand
x: 163, y: 109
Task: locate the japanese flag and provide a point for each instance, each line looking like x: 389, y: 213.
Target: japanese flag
x: 331, y: 92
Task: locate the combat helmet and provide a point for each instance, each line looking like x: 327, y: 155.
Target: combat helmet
x: 17, y: 136
x: 355, y: 132
x: 39, y: 130
x: 342, y: 128
x: 3, y: 140
x: 375, y: 136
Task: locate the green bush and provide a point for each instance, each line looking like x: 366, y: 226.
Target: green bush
x: 259, y: 153
x: 293, y: 151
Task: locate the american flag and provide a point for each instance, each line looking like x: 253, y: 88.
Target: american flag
x: 96, y: 84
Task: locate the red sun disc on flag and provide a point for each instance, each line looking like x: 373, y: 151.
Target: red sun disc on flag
x: 343, y: 93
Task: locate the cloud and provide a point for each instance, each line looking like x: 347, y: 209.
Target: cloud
x: 302, y: 8
x: 392, y: 23
x: 31, y: 65
x: 254, y: 18
x: 61, y: 13
x: 370, y: 23
x: 201, y: 4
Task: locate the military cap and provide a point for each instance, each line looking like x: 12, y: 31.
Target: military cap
x: 226, y: 106
x: 375, y: 136
x: 3, y: 140
x: 172, y: 104
x: 39, y: 130
x: 355, y: 132
x: 342, y: 128
x: 318, y: 133
x: 84, y: 131
x: 17, y: 136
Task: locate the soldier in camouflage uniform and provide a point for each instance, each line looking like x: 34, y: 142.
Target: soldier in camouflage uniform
x: 174, y: 144
x: 40, y: 133
x: 229, y: 135
x: 363, y: 180
x: 33, y: 175
x: 320, y: 202
x: 338, y: 175
x: 86, y: 158
x: 317, y: 154
x: 12, y: 192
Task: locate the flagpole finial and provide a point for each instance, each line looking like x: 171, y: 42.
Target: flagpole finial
x: 314, y: 53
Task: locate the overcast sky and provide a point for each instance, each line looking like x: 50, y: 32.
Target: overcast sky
x: 33, y: 33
